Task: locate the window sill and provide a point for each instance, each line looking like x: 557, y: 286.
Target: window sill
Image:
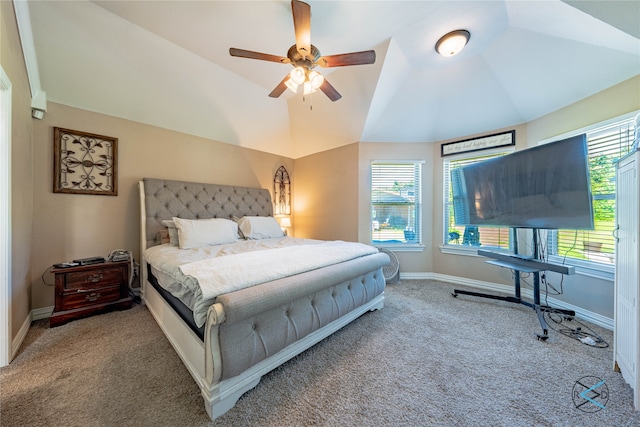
x: 584, y: 268
x: 460, y: 250
x: 400, y: 247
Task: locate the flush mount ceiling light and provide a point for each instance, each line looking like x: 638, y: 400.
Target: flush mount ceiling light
x: 452, y: 43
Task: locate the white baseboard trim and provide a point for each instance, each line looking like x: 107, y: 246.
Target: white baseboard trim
x: 41, y: 313
x: 581, y: 313
x: 37, y: 314
x: 19, y: 338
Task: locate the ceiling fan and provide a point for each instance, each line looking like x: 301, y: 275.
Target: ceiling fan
x: 304, y: 57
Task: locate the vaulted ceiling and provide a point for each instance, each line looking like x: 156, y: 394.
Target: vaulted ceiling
x: 167, y: 63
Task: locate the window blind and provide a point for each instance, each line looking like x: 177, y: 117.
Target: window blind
x: 606, y: 145
x: 455, y: 235
x: 396, y: 202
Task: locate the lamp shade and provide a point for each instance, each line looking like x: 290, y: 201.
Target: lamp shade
x: 285, y: 222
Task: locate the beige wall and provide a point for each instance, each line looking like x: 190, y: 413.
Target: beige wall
x: 620, y: 99
x: 325, y: 188
x: 21, y: 168
x: 68, y: 226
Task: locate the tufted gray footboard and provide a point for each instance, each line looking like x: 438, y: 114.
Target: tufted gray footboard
x: 262, y: 320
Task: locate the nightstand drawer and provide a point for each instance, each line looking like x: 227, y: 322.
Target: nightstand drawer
x: 89, y: 297
x: 94, y: 278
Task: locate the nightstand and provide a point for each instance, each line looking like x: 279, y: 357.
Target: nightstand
x: 85, y: 290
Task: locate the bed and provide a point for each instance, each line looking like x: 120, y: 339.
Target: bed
x: 229, y: 337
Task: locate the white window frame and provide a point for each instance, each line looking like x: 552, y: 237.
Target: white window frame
x: 401, y: 246
x: 584, y: 267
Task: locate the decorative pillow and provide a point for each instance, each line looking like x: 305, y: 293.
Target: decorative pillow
x: 237, y: 221
x: 259, y: 227
x: 163, y: 236
x: 173, y: 232
x: 196, y: 233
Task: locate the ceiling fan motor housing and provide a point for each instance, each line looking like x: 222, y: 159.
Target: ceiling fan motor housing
x: 297, y: 60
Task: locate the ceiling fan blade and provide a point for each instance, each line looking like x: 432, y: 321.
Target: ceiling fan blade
x: 257, y: 55
x: 354, y: 58
x: 302, y: 26
x: 330, y: 91
x: 279, y: 90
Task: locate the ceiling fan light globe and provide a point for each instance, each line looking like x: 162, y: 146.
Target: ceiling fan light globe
x: 316, y: 79
x: 297, y: 75
x: 293, y: 86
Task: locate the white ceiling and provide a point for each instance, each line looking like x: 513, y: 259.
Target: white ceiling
x: 167, y: 63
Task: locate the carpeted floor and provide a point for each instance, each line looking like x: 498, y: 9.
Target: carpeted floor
x: 425, y: 359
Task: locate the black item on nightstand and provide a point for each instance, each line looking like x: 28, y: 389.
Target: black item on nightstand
x: 91, y: 260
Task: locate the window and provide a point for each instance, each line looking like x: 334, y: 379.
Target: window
x: 606, y: 143
x: 461, y: 236
x: 396, y: 209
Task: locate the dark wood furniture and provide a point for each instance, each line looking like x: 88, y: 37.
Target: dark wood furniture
x: 85, y: 290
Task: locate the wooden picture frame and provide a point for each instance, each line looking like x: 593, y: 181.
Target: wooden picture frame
x: 84, y: 163
x: 477, y: 144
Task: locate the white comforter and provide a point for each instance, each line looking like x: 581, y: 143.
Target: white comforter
x: 197, y: 276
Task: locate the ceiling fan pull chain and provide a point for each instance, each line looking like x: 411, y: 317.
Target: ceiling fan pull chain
x: 304, y: 99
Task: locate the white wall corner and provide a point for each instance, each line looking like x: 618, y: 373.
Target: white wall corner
x: 39, y: 105
x: 38, y: 96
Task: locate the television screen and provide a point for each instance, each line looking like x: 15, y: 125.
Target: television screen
x: 545, y: 187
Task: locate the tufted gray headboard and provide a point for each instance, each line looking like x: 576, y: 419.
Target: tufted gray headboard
x: 163, y: 199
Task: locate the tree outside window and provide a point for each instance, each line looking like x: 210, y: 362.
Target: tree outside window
x: 606, y: 144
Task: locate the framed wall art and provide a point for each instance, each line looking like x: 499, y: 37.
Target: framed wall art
x: 84, y: 163
x: 477, y: 144
x: 282, y: 192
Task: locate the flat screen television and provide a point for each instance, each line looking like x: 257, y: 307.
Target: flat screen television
x: 545, y: 187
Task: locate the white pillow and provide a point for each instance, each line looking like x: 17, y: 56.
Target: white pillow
x: 259, y: 227
x: 196, y: 233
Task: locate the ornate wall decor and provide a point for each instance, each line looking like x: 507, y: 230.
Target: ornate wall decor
x: 282, y: 192
x: 84, y: 163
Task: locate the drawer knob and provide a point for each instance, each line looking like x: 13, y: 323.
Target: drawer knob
x: 95, y: 277
x: 93, y: 296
